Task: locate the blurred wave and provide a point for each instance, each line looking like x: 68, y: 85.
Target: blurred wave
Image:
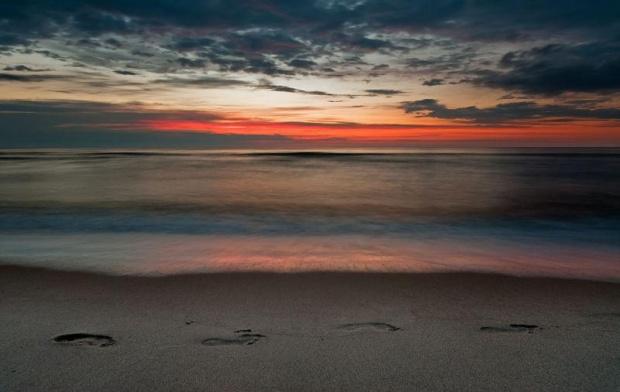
x: 508, y: 200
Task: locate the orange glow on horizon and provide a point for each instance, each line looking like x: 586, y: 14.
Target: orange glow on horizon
x: 352, y: 132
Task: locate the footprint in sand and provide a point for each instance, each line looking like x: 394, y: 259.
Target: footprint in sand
x: 244, y: 339
x: 511, y: 328
x: 85, y: 339
x: 378, y: 327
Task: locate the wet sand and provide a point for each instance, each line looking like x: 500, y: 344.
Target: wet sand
x: 71, y: 331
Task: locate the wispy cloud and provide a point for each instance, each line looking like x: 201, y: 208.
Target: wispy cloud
x: 508, y: 112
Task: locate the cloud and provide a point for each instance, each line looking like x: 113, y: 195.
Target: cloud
x: 364, y: 44
x: 184, y: 44
x: 267, y: 85
x: 286, y: 89
x: 508, y: 112
x: 266, y: 41
x: 257, y: 65
x: 191, y: 63
x: 142, y: 53
x: 124, y: 72
x: 99, y: 138
x: 457, y: 59
x: 13, y: 40
x: 478, y: 19
x: 434, y: 82
x: 81, y: 124
x: 23, y: 68
x: 230, y: 44
x: 5, y: 77
x: 552, y: 70
x: 304, y: 64
x: 113, y: 43
x: 201, y: 82
x: 384, y: 92
x: 294, y: 37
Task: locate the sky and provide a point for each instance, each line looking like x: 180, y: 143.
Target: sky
x: 309, y: 74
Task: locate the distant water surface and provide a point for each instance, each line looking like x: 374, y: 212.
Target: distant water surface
x: 550, y: 212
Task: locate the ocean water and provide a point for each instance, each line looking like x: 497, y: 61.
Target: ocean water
x: 533, y: 212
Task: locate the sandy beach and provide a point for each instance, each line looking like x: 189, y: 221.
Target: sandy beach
x: 72, y: 331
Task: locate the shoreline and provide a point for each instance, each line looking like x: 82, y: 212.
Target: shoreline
x: 306, y: 331
x: 155, y: 275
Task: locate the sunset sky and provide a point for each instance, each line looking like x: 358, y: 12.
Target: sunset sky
x: 309, y: 74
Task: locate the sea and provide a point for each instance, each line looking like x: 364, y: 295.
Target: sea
x: 518, y: 211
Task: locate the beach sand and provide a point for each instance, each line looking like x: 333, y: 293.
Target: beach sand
x: 71, y: 331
